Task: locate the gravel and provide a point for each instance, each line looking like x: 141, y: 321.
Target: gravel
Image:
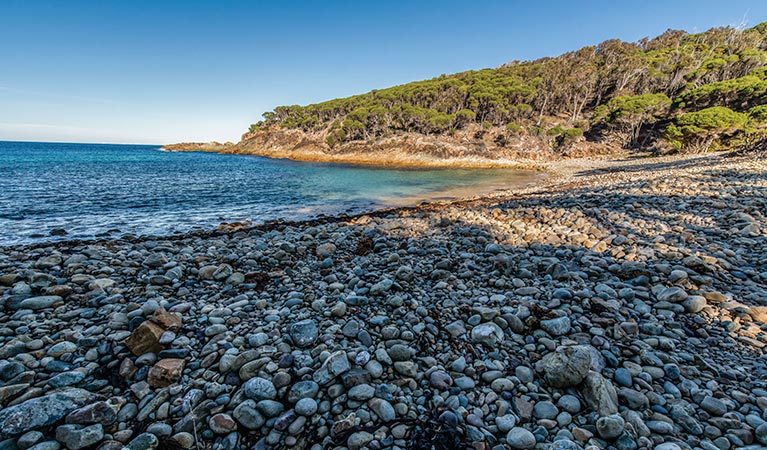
x: 616, y: 307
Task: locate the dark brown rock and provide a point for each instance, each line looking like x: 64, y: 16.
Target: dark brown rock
x: 166, y: 372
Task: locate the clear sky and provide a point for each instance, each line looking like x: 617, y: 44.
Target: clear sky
x: 164, y: 71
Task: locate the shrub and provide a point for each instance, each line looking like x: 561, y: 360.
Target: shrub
x: 514, y: 128
x: 758, y: 114
x: 700, y: 130
x: 555, y: 131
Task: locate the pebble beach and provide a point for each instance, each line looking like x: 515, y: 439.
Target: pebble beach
x: 618, y: 305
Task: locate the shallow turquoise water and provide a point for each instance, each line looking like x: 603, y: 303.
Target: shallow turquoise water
x: 93, y: 189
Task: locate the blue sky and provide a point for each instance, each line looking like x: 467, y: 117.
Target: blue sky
x: 166, y: 71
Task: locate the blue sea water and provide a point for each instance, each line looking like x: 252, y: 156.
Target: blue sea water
x: 93, y: 190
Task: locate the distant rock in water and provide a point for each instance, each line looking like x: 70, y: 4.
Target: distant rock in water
x: 198, y: 146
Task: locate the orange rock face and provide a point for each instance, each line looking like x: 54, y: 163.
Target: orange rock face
x: 145, y: 339
x: 166, y: 372
x: 168, y: 321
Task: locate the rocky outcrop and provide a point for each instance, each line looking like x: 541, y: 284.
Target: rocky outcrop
x: 409, y: 149
x: 198, y: 146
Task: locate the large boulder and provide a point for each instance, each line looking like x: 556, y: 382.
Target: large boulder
x: 567, y: 366
x: 42, y: 411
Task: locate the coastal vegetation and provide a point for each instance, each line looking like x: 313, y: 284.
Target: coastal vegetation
x: 675, y: 92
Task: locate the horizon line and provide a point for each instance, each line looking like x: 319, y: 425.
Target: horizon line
x: 77, y: 143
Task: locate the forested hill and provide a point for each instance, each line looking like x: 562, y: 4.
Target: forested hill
x: 677, y: 91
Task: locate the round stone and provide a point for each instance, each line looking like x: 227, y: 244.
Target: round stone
x: 304, y: 333
x: 545, y: 410
x: 505, y: 422
x: 184, y: 439
x: 694, y: 304
x: 623, y: 377
x: 610, y: 427
x: 222, y: 423
x: 383, y: 409
x: 524, y: 373
x: 248, y: 416
x: 440, y: 380
x: 520, y: 438
x: 361, y: 392
x: 761, y: 433
x: 713, y: 406
x: 42, y: 302
x: 358, y: 440
x: 259, y: 389
x: 673, y: 294
x: 569, y: 403
x: 667, y: 446
x: 144, y: 441
x: 306, y: 407
x: 303, y: 389
x: 270, y: 408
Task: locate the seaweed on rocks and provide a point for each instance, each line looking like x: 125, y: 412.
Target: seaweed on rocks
x: 260, y: 279
x: 436, y: 429
x: 168, y: 443
x: 442, y: 432
x: 364, y: 246
x: 111, y: 373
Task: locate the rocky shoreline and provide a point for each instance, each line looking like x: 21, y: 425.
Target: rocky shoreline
x: 619, y: 306
x: 408, y: 150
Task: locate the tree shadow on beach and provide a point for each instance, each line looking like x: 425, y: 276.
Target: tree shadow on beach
x: 534, y: 246
x: 636, y: 165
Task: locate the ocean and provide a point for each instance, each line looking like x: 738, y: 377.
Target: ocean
x: 102, y: 190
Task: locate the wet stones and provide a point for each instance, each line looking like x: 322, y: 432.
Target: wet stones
x: 361, y: 392
x: 326, y: 250
x: 336, y: 364
x: 303, y: 389
x: 249, y: 415
x: 545, y: 321
x: 222, y: 423
x: 672, y: 294
x: 306, y: 407
x: 713, y: 406
x: 440, y: 380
